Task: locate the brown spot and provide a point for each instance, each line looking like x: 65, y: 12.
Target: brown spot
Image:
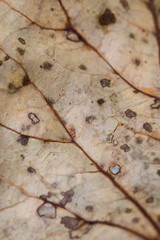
x: 128, y: 210
x: 125, y: 4
x: 23, y: 140
x: 147, y: 127
x: 72, y: 132
x: 46, y: 65
x: 90, y: 119
x: 156, y: 160
x: 150, y: 200
x: 7, y: 58
x: 156, y: 104
x: 136, y: 91
x: 31, y: 170
x: 158, y: 172
x: 135, y: 220
x: 125, y: 148
x: 135, y: 190
x: 21, y: 51
x: 44, y: 197
x: 1, y: 63
x: 22, y: 156
x: 137, y: 62
x: 33, y: 117
x: 89, y: 208
x: 100, y: 101
x: 52, y: 9
x: 26, y: 80
x: 139, y: 140
x: 107, y: 18
x: 47, y: 210
x: 144, y: 40
x: 70, y: 222
x: 82, y: 67
x: 21, y: 40
x: 72, y: 36
x: 105, y: 82
x: 67, y: 197
x: 130, y: 114
x: 132, y: 35
x: 11, y: 88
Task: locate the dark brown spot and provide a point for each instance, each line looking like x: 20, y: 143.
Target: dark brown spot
x: 23, y: 140
x: 67, y: 197
x: 130, y: 114
x: 125, y: 148
x: 156, y: 104
x: 107, y: 18
x: 158, y: 172
x: 128, y: 210
x: 47, y: 210
x: 22, y: 156
x: 137, y: 62
x: 31, y: 170
x: 6, y: 58
x: 135, y: 220
x: 105, y: 82
x: 147, y: 127
x: 139, y: 140
x: 33, y: 117
x: 21, y: 40
x: 11, y: 88
x: 125, y: 4
x: 100, y: 101
x: 136, y: 91
x: 26, y: 80
x: 132, y: 35
x: 44, y: 197
x: 82, y: 67
x: 135, y: 190
x: 46, y: 65
x: 21, y: 51
x: 72, y: 36
x: 90, y: 119
x: 72, y: 132
x: 1, y: 63
x: 150, y: 200
x: 52, y: 9
x: 156, y: 160
x: 89, y: 208
x: 70, y: 222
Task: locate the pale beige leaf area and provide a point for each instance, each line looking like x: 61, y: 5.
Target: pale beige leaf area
x: 79, y: 119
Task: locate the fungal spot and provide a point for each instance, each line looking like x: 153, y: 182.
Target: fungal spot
x: 136, y: 62
x: 47, y: 210
x: 70, y: 222
x: 72, y: 132
x: 6, y: 58
x: 147, y: 127
x: 23, y: 140
x: 89, y: 208
x: 33, y: 117
x: 100, y: 101
x: 135, y: 220
x: 109, y: 138
x: 158, y: 172
x: 11, y: 88
x: 21, y: 40
x: 132, y: 35
x: 107, y: 18
x: 125, y: 4
x: 130, y: 114
x: 139, y: 140
x: 21, y: 51
x: 31, y: 170
x: 82, y: 67
x: 125, y: 148
x: 156, y: 104
x: 72, y: 36
x: 90, y: 119
x: 115, y: 169
x: 46, y: 65
x: 128, y: 210
x: 67, y: 197
x: 156, y: 160
x: 105, y: 82
x: 26, y: 80
x: 150, y: 200
x: 1, y: 63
